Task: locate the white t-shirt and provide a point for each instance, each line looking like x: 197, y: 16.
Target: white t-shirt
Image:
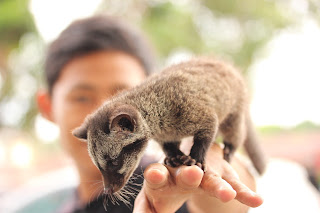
x: 285, y: 188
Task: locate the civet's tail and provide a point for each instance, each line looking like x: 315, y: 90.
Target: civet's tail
x: 254, y: 148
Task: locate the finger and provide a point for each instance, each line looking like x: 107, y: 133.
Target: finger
x: 244, y: 194
x: 189, y: 177
x: 141, y: 204
x: 217, y: 187
x: 160, y: 189
x: 156, y: 176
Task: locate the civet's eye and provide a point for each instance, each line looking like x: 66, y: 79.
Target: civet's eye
x: 113, y: 163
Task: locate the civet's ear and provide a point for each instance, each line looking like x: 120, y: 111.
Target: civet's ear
x: 81, y: 132
x: 122, y: 122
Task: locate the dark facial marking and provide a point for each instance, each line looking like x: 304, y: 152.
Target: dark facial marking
x: 134, y: 146
x: 106, y: 129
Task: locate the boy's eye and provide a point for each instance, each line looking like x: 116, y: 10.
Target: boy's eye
x: 82, y: 99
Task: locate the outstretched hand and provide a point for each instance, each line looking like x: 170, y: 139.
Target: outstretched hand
x: 165, y: 189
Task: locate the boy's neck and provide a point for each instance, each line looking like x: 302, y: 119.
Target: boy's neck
x: 90, y: 187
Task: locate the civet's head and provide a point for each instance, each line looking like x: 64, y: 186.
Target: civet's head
x: 117, y: 136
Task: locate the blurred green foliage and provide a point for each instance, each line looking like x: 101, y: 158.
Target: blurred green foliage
x: 170, y: 27
x: 306, y: 126
x: 264, y: 13
x: 15, y: 20
x: 19, y: 61
x: 268, y: 130
x: 248, y: 9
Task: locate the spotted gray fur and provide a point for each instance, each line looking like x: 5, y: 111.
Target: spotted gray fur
x: 196, y: 98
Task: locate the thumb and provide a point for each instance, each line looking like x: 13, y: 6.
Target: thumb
x: 156, y: 177
x: 141, y: 204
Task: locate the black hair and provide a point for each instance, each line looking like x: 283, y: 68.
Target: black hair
x: 97, y: 33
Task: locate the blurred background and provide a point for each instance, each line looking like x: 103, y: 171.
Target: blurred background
x: 276, y: 43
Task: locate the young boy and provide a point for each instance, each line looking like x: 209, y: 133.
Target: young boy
x: 94, y: 59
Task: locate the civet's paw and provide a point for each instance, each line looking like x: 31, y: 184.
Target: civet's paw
x: 228, y: 151
x: 183, y: 160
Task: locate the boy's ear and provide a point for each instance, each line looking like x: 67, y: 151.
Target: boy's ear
x: 81, y: 132
x: 44, y: 104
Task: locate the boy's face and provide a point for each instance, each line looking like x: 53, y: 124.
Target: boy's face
x: 84, y: 83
